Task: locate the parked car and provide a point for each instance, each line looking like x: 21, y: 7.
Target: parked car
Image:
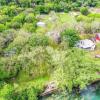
x: 86, y: 44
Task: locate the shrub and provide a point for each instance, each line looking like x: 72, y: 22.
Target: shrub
x: 2, y: 27
x: 35, y: 63
x: 95, y: 26
x: 19, y: 18
x: 2, y: 2
x: 98, y: 4
x: 5, y: 89
x: 7, y: 38
x: 14, y: 25
x: 25, y: 3
x: 39, y: 2
x: 57, y: 8
x: 30, y: 91
x: 29, y: 27
x: 38, y: 40
x: 66, y: 10
x: 87, y: 28
x: 75, y: 69
x: 9, y: 10
x: 75, y: 6
x: 71, y: 36
x: 17, y: 21
x: 7, y: 70
x: 42, y: 9
x: 30, y: 18
x: 84, y: 11
x: 4, y: 19
x: 79, y: 26
x: 84, y: 18
x: 18, y: 42
x: 19, y: 10
x: 8, y: 32
x: 26, y: 94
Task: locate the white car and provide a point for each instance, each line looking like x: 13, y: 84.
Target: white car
x: 41, y: 24
x: 86, y: 44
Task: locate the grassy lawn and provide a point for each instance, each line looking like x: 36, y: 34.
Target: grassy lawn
x: 55, y: 22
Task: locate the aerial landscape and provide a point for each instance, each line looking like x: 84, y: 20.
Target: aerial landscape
x: 49, y: 49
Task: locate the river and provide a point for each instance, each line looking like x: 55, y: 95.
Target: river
x: 92, y: 92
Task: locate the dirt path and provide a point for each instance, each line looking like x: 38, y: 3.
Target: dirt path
x: 95, y: 10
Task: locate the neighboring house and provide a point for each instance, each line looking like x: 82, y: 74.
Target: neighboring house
x: 86, y: 44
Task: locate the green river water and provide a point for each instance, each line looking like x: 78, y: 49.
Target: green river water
x: 90, y: 93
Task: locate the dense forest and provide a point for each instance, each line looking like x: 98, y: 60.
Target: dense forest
x: 38, y: 46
